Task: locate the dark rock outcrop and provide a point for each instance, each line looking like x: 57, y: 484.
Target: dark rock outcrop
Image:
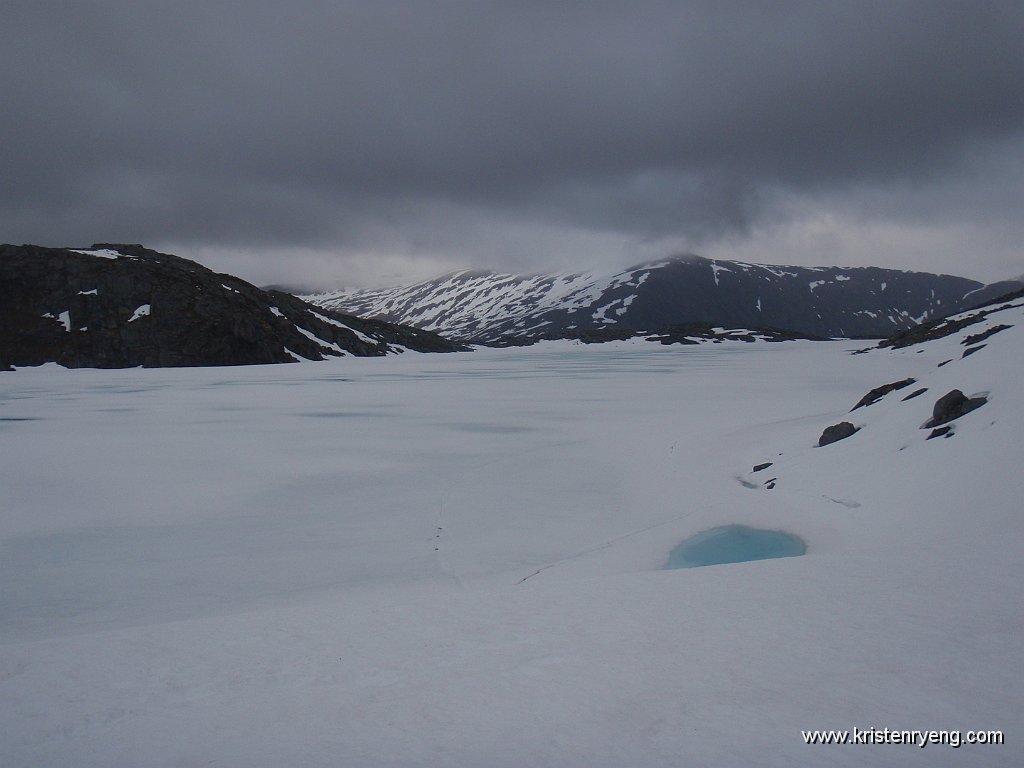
x: 694, y: 333
x: 977, y: 338
x: 938, y: 329
x: 690, y: 333
x: 952, y: 405
x: 118, y: 306
x: 878, y: 393
x: 759, y: 467
x: 946, y: 431
x: 836, y: 432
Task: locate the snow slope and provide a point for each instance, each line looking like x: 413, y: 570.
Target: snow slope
x: 457, y: 560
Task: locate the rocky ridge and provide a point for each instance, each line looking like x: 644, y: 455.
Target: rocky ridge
x: 118, y: 306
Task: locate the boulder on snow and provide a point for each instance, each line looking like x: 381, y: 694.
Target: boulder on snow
x: 952, y: 405
x: 977, y: 338
x: 836, y: 432
x: 878, y: 393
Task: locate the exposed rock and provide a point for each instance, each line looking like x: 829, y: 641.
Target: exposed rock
x: 915, y: 393
x: 878, y: 393
x: 952, y: 405
x: 689, y: 333
x: 946, y: 431
x: 836, y: 432
x: 759, y: 467
x: 693, y: 333
x: 971, y: 350
x: 979, y: 337
x: 118, y: 306
x: 937, y: 329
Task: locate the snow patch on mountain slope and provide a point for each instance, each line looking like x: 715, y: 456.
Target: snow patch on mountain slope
x: 359, y: 334
x: 141, y: 311
x: 102, y: 253
x: 716, y: 268
x: 465, y: 302
x: 64, y: 318
x: 329, y: 346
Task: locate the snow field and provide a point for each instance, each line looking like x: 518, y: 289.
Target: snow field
x: 457, y: 560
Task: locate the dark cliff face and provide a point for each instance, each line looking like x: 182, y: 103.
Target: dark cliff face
x: 118, y: 306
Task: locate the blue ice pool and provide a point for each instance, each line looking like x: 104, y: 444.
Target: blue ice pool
x: 734, y: 544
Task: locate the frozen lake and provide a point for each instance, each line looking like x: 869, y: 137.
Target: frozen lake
x: 459, y: 560
x: 734, y: 544
x: 152, y: 495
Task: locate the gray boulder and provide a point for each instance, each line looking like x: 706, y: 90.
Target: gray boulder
x: 952, y: 405
x: 836, y: 432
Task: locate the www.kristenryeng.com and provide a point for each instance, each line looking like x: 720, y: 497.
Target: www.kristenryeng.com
x: 917, y: 738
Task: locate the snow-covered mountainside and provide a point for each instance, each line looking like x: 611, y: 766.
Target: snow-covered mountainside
x: 460, y: 560
x: 822, y: 301
x: 118, y: 306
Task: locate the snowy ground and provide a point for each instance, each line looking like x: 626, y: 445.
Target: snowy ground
x: 456, y: 560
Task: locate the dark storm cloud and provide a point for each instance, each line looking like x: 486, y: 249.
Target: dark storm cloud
x: 324, y: 124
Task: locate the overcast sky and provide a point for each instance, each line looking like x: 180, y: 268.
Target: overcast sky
x: 378, y: 142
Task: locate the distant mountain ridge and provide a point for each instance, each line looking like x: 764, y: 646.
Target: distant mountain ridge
x: 119, y: 306
x: 490, y: 307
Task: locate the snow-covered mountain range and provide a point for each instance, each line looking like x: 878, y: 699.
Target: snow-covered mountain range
x: 489, y: 307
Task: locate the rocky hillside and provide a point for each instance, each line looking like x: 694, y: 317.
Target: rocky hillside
x: 820, y: 301
x: 118, y: 306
